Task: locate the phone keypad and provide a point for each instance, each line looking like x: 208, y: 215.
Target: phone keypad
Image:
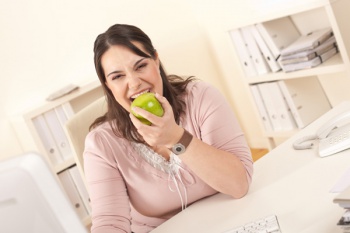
x: 337, y: 141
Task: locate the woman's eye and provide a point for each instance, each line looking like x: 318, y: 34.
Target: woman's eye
x: 141, y: 66
x: 116, y: 77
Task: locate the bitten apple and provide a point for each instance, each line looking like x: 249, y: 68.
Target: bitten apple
x: 148, y: 102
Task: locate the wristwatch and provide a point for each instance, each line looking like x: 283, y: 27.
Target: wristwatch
x: 183, y: 143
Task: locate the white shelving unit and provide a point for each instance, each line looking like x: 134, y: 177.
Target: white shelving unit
x: 40, y: 129
x: 333, y: 74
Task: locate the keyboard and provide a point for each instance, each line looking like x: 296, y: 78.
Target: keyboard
x: 268, y: 224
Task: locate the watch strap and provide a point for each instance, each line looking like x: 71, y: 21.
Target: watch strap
x: 183, y: 143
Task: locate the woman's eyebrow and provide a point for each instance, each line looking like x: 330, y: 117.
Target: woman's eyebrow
x: 113, y: 72
x: 136, y: 64
x: 139, y: 61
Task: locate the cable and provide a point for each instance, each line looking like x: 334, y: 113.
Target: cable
x: 304, y: 142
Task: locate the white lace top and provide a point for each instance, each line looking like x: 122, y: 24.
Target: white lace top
x: 171, y: 167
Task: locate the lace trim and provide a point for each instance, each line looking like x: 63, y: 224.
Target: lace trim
x: 171, y: 167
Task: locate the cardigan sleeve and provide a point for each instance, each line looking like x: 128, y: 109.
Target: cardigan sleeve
x: 216, y: 124
x: 107, y: 190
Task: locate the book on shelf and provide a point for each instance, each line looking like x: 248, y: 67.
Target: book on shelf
x: 259, y: 103
x: 278, y: 34
x: 276, y: 107
x: 311, y: 63
x: 306, y: 99
x: 267, y: 54
x: 254, y: 50
x: 244, y: 56
x: 309, y: 54
x: 308, y: 41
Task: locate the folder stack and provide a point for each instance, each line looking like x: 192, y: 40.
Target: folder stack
x: 309, y: 50
x: 285, y: 105
x: 343, y: 200
x: 50, y: 129
x: 259, y: 45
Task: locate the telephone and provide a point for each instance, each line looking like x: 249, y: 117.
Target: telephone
x: 334, y: 136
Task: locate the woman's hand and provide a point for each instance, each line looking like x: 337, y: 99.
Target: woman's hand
x: 164, y: 131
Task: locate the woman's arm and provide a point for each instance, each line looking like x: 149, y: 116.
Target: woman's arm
x: 221, y: 156
x: 108, y: 195
x: 220, y: 169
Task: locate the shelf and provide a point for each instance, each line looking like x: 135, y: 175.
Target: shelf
x: 333, y: 65
x: 291, y: 100
x: 41, y: 129
x: 84, y: 89
x: 68, y: 163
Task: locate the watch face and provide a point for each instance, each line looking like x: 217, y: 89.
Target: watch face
x: 178, y: 149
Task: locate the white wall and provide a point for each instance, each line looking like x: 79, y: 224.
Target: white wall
x: 46, y: 44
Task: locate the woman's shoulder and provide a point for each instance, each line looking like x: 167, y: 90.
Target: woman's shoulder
x: 198, y: 86
x: 198, y: 89
x: 103, y: 136
x: 100, y: 130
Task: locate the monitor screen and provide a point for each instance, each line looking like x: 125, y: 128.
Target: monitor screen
x: 31, y: 199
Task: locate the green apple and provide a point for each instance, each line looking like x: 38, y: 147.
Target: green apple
x: 148, y: 102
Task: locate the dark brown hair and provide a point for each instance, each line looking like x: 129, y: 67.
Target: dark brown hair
x: 173, y: 86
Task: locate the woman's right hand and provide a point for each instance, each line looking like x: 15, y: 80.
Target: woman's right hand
x: 164, y: 131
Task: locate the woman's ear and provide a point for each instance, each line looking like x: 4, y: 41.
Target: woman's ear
x: 156, y: 57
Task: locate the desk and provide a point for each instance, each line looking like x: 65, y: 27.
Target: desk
x: 294, y: 185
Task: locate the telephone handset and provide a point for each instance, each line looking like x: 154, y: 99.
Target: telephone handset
x: 334, y: 136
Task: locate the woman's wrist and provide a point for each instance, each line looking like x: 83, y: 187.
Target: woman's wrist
x: 181, y: 146
x: 176, y: 136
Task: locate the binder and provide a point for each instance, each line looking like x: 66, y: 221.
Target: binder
x: 278, y: 34
x: 61, y: 115
x: 80, y: 185
x: 67, y: 109
x: 58, y: 133
x: 261, y: 108
x: 311, y: 63
x: 245, y: 58
x: 309, y: 54
x: 47, y: 139
x: 308, y: 42
x: 72, y: 193
x: 258, y: 59
x: 271, y: 108
x: 269, y: 58
x: 281, y: 109
x: 284, y: 114
x: 306, y: 99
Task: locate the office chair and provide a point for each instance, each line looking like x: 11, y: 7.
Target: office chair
x: 77, y: 127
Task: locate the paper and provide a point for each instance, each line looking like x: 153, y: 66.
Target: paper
x: 342, y: 183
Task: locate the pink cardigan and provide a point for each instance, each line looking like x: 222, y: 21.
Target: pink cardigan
x: 129, y: 194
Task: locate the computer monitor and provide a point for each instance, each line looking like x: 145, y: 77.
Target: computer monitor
x: 31, y: 199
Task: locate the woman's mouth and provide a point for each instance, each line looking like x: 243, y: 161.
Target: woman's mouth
x: 138, y: 94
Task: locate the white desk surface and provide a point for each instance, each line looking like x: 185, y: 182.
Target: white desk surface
x: 292, y: 184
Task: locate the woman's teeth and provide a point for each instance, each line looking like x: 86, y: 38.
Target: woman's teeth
x: 135, y: 96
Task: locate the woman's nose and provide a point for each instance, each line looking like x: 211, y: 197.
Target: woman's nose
x: 134, y: 83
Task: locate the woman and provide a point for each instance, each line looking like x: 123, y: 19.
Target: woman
x: 141, y: 175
